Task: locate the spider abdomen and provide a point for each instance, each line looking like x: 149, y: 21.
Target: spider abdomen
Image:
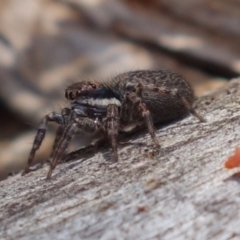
x: 163, y: 96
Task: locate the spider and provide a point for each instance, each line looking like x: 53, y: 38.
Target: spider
x: 121, y: 105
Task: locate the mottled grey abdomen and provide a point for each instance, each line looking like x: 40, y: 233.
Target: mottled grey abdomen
x: 163, y: 106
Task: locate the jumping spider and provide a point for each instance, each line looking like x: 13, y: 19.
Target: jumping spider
x: 123, y: 104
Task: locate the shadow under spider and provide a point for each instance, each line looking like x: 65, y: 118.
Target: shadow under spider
x: 104, y: 147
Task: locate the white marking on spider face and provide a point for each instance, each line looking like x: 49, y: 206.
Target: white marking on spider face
x: 100, y: 102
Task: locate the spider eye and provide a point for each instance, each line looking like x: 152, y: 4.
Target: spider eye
x: 94, y: 86
x: 69, y: 95
x: 66, y: 94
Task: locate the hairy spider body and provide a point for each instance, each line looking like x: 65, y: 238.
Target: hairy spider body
x: 123, y: 104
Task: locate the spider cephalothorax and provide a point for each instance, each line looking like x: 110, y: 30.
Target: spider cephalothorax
x: 122, y: 104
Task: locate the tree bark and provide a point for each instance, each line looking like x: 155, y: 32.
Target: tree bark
x: 183, y: 192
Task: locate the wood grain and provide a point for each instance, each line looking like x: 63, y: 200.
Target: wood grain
x: 182, y: 193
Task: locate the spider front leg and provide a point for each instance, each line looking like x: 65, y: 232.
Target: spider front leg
x: 67, y: 116
x: 86, y: 124
x: 52, y: 117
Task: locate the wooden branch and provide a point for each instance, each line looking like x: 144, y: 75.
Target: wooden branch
x: 182, y: 193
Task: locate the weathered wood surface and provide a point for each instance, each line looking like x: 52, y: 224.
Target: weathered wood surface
x: 182, y: 193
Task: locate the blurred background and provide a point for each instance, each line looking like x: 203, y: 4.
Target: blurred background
x: 45, y: 45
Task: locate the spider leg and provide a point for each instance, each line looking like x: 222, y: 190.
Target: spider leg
x: 137, y: 101
x: 112, y: 127
x: 66, y: 117
x: 62, y: 146
x: 85, y: 124
x: 59, y: 133
x: 190, y: 108
x: 174, y: 92
x: 52, y: 117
